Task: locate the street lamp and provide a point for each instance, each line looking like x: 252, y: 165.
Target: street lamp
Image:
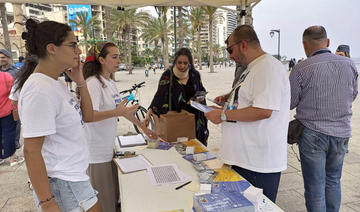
x: 272, y: 32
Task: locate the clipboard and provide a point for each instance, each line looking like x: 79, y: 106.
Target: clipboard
x: 132, y: 164
x: 131, y: 140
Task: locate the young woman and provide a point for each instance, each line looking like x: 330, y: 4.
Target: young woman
x: 107, y: 106
x: 53, y: 128
x: 185, y: 82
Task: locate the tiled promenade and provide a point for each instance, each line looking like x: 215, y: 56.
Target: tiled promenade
x: 15, y: 195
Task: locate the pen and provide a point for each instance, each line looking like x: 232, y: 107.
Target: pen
x: 213, y: 101
x: 180, y: 186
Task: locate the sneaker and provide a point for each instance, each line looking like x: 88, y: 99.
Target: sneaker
x: 2, y: 161
x: 17, y: 160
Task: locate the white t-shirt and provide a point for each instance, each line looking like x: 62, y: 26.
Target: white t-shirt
x: 260, y: 146
x: 14, y: 95
x: 47, y: 108
x: 101, y: 134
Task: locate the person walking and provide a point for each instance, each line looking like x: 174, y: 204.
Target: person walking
x: 323, y: 88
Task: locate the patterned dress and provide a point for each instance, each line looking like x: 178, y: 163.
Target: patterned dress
x: 181, y: 94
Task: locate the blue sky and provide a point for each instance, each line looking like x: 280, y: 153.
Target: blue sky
x: 341, y: 19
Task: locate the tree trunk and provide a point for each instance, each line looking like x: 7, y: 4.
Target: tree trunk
x: 199, y: 48
x: 193, y: 45
x: 156, y: 43
x: 181, y: 30
x: 19, y: 19
x: 4, y: 24
x: 86, y: 44
x: 166, y: 46
x: 211, y: 44
x: 163, y: 53
x: 128, y: 47
x: 108, y: 30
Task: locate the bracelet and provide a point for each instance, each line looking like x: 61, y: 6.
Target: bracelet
x: 81, y: 84
x: 46, y: 200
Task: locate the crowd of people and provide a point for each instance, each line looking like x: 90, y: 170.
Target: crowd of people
x: 68, y: 141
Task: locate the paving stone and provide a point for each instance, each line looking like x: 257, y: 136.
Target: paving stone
x: 347, y: 208
x: 290, y: 181
x: 355, y: 206
x: 20, y: 203
x: 290, y: 200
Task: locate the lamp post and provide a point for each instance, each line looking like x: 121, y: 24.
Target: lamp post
x: 272, y: 32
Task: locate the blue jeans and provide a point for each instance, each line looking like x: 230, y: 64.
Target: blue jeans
x: 269, y: 182
x: 17, y: 136
x: 71, y: 196
x: 7, y: 135
x: 322, y: 158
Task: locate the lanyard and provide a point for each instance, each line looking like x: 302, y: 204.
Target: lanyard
x: 233, y: 90
x: 321, y: 52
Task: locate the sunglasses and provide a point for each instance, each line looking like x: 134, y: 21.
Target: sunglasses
x: 229, y: 49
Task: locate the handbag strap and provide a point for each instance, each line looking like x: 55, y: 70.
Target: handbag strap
x: 170, y: 89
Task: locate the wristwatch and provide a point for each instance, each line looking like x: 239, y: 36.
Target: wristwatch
x: 223, y: 116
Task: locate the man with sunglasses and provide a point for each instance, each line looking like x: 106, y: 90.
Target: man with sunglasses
x: 254, y: 131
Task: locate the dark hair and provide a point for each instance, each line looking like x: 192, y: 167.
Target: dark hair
x: 315, y: 34
x: 21, y: 58
x: 184, y: 52
x: 93, y: 68
x: 26, y: 70
x: 244, y: 32
x: 37, y: 37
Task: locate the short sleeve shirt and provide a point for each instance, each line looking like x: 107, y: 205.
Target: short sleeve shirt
x: 260, y: 146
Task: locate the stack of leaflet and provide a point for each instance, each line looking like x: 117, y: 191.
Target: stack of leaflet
x: 226, y: 196
x: 224, y: 202
x: 195, y: 157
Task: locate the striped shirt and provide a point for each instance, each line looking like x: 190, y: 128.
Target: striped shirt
x: 323, y: 88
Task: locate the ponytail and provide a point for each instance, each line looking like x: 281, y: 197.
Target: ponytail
x: 28, y: 68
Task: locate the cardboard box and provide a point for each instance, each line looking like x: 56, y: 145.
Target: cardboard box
x: 174, y: 124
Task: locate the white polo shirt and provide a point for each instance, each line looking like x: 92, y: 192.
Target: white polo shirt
x: 260, y: 146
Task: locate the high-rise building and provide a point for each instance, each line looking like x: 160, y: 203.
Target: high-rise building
x: 39, y: 12
x: 231, y: 22
x: 221, y: 27
x: 186, y: 22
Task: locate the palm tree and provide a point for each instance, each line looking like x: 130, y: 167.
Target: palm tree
x: 155, y: 31
x: 162, y: 14
x: 4, y: 24
x: 210, y: 12
x: 127, y: 22
x: 85, y: 24
x: 197, y: 17
x: 108, y: 28
x: 217, y: 49
x: 181, y: 25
